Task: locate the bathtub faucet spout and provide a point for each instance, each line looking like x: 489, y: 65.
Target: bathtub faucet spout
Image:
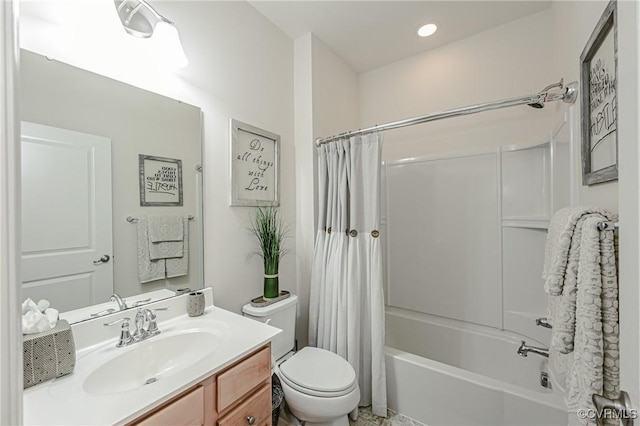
x: 524, y: 350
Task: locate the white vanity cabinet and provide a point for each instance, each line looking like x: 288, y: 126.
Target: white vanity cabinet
x: 238, y: 395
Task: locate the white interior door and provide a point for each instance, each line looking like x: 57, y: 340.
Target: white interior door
x: 66, y: 217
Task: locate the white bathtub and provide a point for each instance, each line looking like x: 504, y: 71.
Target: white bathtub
x: 444, y: 372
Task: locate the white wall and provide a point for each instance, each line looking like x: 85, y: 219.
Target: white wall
x: 241, y: 66
x: 326, y: 104
x: 573, y: 23
x: 505, y: 62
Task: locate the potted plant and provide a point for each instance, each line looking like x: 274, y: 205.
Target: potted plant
x: 270, y: 231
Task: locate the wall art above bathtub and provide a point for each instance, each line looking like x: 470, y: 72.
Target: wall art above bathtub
x: 598, y: 74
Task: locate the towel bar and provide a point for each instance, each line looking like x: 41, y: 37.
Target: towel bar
x: 607, y: 226
x: 132, y: 219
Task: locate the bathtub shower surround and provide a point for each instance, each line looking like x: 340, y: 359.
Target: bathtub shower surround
x: 581, y: 280
x: 465, y: 241
x: 346, y: 313
x: 472, y: 376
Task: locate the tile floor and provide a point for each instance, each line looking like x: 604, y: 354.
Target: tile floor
x: 365, y: 418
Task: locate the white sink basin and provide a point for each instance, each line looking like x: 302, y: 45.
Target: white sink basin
x: 150, y: 361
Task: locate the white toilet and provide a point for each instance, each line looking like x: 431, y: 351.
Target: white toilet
x: 319, y: 386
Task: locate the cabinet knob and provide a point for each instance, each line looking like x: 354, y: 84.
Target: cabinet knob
x: 251, y: 420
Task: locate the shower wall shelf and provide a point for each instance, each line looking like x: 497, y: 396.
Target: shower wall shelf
x: 525, y: 222
x: 486, y: 210
x: 535, y: 182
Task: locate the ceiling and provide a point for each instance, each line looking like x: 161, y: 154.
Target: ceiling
x: 370, y: 34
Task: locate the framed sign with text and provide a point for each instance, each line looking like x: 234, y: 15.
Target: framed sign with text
x: 160, y: 181
x: 255, y: 155
x: 599, y: 107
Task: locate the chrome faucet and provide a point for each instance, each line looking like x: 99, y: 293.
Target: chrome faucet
x: 141, y: 333
x: 121, y: 303
x: 524, y: 350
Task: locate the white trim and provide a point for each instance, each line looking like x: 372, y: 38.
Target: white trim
x: 10, y: 332
x: 629, y: 196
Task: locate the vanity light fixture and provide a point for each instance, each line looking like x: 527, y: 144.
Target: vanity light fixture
x: 141, y: 20
x: 427, y: 30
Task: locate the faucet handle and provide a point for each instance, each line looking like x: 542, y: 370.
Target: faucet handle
x: 152, y: 328
x: 125, y: 320
x: 140, y: 302
x: 125, y: 335
x: 543, y: 322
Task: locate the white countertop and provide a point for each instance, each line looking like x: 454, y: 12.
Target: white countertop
x: 63, y: 401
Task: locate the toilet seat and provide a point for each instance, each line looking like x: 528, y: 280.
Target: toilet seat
x: 318, y: 372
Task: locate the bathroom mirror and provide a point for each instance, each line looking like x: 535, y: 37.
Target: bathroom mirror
x: 80, y: 208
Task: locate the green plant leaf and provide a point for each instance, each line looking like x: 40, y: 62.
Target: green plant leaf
x: 270, y: 231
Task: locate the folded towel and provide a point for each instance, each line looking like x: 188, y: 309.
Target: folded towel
x: 165, y: 228
x: 166, y: 250
x: 166, y: 236
x: 148, y: 270
x: 180, y: 265
x: 151, y: 269
x: 37, y: 318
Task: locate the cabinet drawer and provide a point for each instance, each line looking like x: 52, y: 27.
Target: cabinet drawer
x: 240, y: 379
x: 258, y: 407
x: 188, y: 410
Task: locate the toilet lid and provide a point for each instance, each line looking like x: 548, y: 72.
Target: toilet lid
x: 319, y: 370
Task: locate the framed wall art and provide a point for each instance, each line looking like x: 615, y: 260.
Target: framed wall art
x: 598, y: 73
x: 255, y: 164
x: 160, y: 181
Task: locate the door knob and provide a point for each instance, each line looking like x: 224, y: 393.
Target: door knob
x: 620, y: 408
x: 104, y: 259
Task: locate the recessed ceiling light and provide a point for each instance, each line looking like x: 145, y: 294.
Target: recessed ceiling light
x: 427, y: 30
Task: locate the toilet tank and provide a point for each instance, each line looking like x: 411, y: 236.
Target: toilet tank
x: 281, y: 315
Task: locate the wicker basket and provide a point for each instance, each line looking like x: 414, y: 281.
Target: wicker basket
x: 277, y: 398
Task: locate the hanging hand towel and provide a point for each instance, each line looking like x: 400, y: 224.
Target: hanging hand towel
x: 165, y: 228
x: 166, y: 236
x: 180, y: 265
x: 148, y: 270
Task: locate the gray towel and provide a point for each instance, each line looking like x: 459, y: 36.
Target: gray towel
x: 166, y: 236
x: 148, y: 270
x: 583, y: 304
x: 559, y: 239
x: 594, y: 365
x: 180, y: 265
x: 157, y: 269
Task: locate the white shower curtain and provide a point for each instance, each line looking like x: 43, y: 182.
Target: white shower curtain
x: 346, y: 301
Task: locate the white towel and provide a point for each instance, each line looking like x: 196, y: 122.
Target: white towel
x: 594, y: 366
x: 166, y: 236
x: 583, y: 304
x: 559, y: 239
x: 38, y: 318
x: 148, y: 270
x: 180, y: 265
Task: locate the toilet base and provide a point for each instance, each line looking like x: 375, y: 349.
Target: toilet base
x: 340, y: 421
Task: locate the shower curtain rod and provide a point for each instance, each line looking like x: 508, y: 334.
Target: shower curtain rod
x: 536, y: 100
